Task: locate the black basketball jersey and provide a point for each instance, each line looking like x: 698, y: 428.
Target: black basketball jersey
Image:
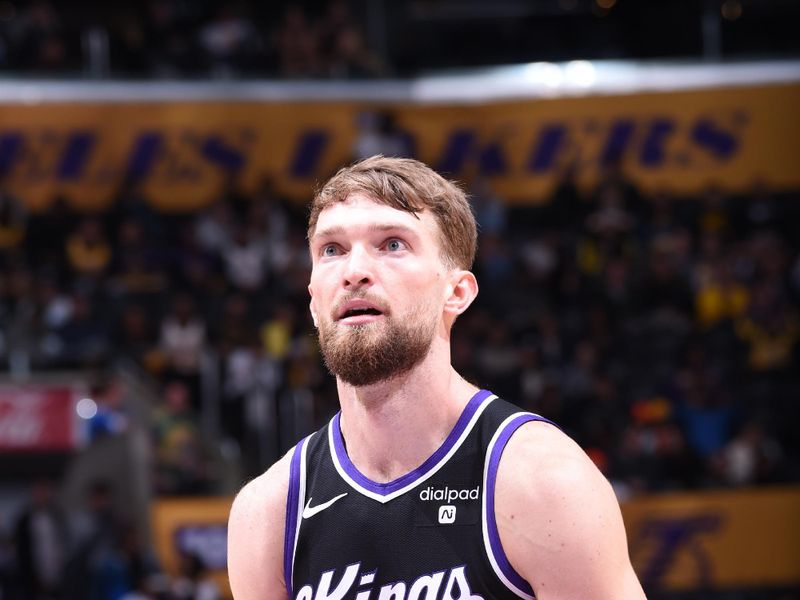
x: 428, y: 535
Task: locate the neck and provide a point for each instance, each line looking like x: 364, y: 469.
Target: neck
x: 393, y: 426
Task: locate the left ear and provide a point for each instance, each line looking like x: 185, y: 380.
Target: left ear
x: 463, y: 289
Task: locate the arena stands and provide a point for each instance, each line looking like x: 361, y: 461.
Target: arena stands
x: 639, y: 263
x: 661, y: 332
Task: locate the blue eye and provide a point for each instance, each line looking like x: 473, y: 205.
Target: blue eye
x: 329, y: 250
x: 395, y: 245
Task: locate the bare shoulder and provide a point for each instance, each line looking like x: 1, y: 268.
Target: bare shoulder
x: 546, y: 455
x: 256, y: 534
x: 558, y: 518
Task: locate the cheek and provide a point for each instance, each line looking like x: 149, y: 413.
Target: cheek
x: 316, y: 285
x: 425, y: 292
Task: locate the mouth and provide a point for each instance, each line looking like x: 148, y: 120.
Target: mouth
x: 358, y: 312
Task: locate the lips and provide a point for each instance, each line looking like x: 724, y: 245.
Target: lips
x: 358, y: 310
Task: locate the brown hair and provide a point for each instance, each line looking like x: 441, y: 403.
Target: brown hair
x: 411, y: 186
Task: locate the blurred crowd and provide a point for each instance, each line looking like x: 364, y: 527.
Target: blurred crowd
x: 660, y: 332
x: 177, y: 38
x: 89, y: 554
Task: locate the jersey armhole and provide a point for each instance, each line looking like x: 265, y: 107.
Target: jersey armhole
x: 491, y: 536
x: 294, y: 510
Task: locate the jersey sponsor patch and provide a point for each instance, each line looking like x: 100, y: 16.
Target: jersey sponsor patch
x: 447, y: 494
x: 447, y: 514
x: 442, y: 513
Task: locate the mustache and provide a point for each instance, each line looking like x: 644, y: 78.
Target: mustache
x: 366, y: 296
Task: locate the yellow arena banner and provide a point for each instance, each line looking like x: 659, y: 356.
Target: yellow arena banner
x: 716, y: 540
x: 182, y: 154
x: 196, y: 526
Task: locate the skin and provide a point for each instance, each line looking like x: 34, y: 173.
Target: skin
x: 558, y: 519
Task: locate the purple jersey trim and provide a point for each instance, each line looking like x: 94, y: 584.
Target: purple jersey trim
x: 384, y: 489
x: 491, y: 480
x: 290, y: 531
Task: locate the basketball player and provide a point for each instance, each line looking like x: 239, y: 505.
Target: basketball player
x: 423, y: 487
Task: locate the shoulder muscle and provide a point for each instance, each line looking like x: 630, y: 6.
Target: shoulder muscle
x: 559, y: 521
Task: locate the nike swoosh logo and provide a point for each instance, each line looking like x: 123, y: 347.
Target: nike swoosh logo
x: 309, y: 512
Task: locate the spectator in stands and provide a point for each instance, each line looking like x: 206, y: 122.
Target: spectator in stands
x: 111, y: 417
x: 214, y: 227
x: 271, y: 217
x: 47, y: 234
x: 297, y: 45
x: 770, y: 328
x: 704, y: 406
x: 88, y: 250
x: 55, y: 309
x: 751, y: 457
x: 18, y: 318
x: 138, y: 268
x: 127, y: 43
x: 55, y: 304
x: 665, y: 290
x: 230, y: 41
x: 41, y: 43
x: 183, y: 341
x: 617, y: 288
x: 180, y: 466
x: 578, y: 376
x: 719, y: 296
x: 336, y: 18
x: 652, y: 455
x: 246, y: 259
x: 97, y: 527
x: 291, y: 267
x: 125, y: 566
x: 193, y: 581
x: 135, y: 338
x: 235, y: 328
x: 490, y: 210
x: 495, y: 260
x: 352, y: 58
x: 41, y: 541
x: 532, y: 377
x: 497, y: 359
x: 714, y: 212
x: 194, y: 267
x: 83, y: 340
x: 171, y: 39
x: 611, y: 216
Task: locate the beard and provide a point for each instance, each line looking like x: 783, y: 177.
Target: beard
x: 373, y: 352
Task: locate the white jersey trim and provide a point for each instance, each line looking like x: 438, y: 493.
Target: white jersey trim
x: 301, y: 499
x: 484, y: 512
x: 383, y: 499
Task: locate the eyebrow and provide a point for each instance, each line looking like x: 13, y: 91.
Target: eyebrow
x: 340, y: 230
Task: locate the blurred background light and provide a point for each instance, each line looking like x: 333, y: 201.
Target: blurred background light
x: 86, y: 408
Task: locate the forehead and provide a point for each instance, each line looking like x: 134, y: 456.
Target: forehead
x: 360, y: 211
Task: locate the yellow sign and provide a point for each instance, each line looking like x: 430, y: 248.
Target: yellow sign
x: 194, y: 526
x: 182, y: 154
x: 716, y: 540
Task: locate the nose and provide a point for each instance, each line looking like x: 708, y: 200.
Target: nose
x: 358, y: 268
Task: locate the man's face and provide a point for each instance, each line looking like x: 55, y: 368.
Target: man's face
x: 377, y: 288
